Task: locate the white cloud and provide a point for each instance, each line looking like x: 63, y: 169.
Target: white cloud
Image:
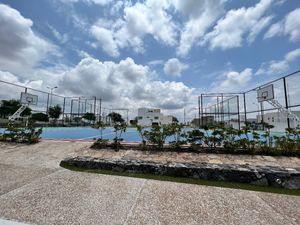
x: 276, y: 67
x: 99, y: 2
x: 174, y: 67
x: 20, y: 48
x: 139, y: 20
x: 125, y: 84
x: 13, y: 92
x: 105, y: 40
x: 238, y: 24
x: 289, y: 26
x: 292, y: 55
x: 156, y: 62
x: 62, y: 38
x: 202, y: 15
x: 274, y: 30
x: 233, y: 81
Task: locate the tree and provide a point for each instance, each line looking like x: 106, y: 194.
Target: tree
x: 115, y: 117
x: 174, y: 119
x: 89, y: 116
x: 9, y: 107
x: 119, y: 127
x: 54, y: 112
x: 40, y: 117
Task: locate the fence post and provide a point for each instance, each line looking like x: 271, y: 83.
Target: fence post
x: 100, y: 111
x: 47, y: 110
x: 71, y: 113
x: 286, y: 101
x: 95, y: 103
x: 238, y: 108
x: 78, y: 115
x: 63, y: 117
x: 245, y: 107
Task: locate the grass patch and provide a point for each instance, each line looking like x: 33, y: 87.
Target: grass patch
x: 223, y: 184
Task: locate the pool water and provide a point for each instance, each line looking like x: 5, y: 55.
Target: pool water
x: 88, y: 133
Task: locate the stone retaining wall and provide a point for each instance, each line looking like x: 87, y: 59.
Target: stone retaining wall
x: 265, y: 176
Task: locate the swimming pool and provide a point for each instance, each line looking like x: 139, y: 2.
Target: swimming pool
x: 88, y: 133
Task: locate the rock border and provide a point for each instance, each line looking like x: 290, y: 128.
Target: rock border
x: 264, y: 176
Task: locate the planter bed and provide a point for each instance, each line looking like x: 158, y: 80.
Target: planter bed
x: 199, y: 149
x: 259, y: 175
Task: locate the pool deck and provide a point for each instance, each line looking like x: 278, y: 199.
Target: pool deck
x: 35, y: 190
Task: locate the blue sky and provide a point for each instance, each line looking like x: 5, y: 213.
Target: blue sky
x: 148, y: 53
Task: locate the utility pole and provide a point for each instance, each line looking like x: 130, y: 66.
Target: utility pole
x: 184, y: 121
x: 51, y: 93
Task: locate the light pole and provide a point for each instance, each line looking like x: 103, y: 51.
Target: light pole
x: 51, y: 92
x: 257, y: 110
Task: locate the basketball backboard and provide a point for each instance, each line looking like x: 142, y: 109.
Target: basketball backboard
x: 265, y: 93
x: 29, y: 98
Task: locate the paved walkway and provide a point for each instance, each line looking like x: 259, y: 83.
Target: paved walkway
x: 35, y: 190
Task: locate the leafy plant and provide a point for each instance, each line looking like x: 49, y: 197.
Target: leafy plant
x: 54, y: 112
x: 157, y: 135
x: 100, y: 143
x: 23, y: 135
x: 89, y: 116
x: 9, y: 107
x: 141, y: 131
x: 99, y: 125
x: 40, y: 117
x: 215, y: 137
x: 195, y: 138
x: 116, y: 117
x: 119, y: 128
x: 179, y: 136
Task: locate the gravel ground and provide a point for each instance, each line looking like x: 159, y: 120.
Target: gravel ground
x: 35, y: 190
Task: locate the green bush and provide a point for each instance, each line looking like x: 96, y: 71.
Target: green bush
x: 40, y: 117
x: 21, y: 135
x: 216, y: 138
x: 100, y: 143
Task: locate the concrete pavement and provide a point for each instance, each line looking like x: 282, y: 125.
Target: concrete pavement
x: 35, y: 190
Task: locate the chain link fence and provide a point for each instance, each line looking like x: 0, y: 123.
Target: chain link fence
x: 234, y: 109
x: 73, y: 108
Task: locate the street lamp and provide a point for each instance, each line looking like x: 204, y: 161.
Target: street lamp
x: 51, y: 92
x: 258, y: 111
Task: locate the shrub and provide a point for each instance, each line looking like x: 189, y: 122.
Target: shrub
x: 157, y: 135
x: 21, y: 135
x: 40, y: 117
x: 100, y: 143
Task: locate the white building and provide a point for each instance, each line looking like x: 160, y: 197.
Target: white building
x: 149, y: 116
x: 279, y: 120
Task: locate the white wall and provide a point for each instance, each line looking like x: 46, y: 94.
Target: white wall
x: 279, y: 120
x: 148, y: 116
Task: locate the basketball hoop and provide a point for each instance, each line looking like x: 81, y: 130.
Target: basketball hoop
x: 265, y: 93
x: 29, y: 99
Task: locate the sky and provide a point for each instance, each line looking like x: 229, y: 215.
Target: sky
x: 148, y: 53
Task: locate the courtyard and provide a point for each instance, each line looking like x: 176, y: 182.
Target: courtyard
x: 34, y: 189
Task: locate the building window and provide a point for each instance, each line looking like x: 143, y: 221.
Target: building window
x: 156, y: 117
x: 140, y: 118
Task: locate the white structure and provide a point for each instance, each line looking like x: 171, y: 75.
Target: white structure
x: 149, y: 116
x: 26, y: 100
x: 279, y: 120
